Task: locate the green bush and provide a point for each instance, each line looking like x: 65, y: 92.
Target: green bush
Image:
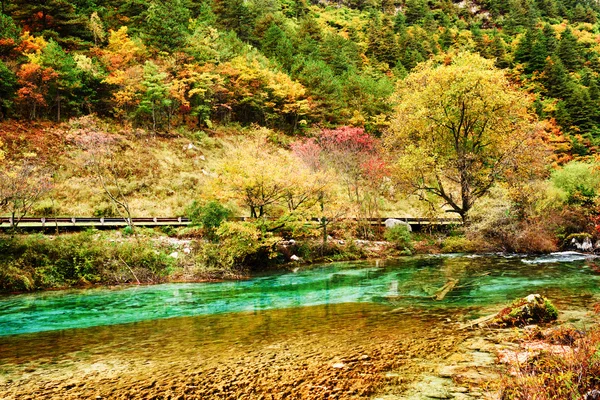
x: 578, y: 181
x: 209, y: 216
x: 400, y: 237
x: 459, y: 244
x: 38, y: 262
x: 239, y: 244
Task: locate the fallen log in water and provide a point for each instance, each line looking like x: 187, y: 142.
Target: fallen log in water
x: 477, y: 322
x: 444, y: 290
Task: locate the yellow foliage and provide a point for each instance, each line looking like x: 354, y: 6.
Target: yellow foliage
x: 459, y: 127
x: 121, y: 49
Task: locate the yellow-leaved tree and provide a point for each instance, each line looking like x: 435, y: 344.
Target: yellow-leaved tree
x: 459, y: 128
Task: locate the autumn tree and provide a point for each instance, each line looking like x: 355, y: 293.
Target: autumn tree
x: 22, y: 184
x: 460, y: 126
x: 99, y: 151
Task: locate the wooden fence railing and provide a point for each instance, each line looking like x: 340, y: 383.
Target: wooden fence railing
x: 112, y: 222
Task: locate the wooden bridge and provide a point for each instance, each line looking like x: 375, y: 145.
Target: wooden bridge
x: 42, y: 223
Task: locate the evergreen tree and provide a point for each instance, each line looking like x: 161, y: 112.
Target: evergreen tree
x: 556, y: 80
x: 276, y: 45
x: 381, y: 41
x: 9, y: 34
x: 547, y: 8
x: 525, y: 47
x: 8, y: 84
x: 446, y: 39
x: 166, y: 24
x: 62, y: 90
x: 415, y: 11
x: 579, y: 13
x: 234, y: 15
x: 55, y: 19
x: 581, y: 110
x: 498, y: 50
x: 568, y: 50
x: 155, y: 97
x: 400, y: 24
x: 594, y: 91
x: 550, y: 39
x: 538, y: 55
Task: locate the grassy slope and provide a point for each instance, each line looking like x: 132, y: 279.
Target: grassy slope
x: 163, y: 174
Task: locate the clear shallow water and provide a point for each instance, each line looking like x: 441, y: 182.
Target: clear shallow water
x: 409, y: 283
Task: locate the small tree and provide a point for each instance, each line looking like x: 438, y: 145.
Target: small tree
x: 209, y: 215
x: 21, y: 186
x: 99, y: 158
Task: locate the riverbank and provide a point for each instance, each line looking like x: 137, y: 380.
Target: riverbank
x: 33, y: 262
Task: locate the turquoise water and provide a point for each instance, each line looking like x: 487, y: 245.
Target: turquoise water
x: 567, y: 279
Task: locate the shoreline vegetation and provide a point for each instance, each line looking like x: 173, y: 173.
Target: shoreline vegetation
x: 237, y: 250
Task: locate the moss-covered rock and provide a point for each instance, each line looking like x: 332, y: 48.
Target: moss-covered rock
x: 533, y: 309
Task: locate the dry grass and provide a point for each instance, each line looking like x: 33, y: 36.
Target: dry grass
x: 564, y: 365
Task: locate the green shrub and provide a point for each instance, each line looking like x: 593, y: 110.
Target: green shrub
x: 239, y: 244
x: 400, y: 237
x: 578, y: 181
x: 209, y: 216
x: 37, y: 261
x: 459, y: 244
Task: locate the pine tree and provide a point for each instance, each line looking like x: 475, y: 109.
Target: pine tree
x: 155, y: 97
x: 166, y: 24
x: 234, y: 15
x: 581, y: 110
x: 63, y: 89
x: 568, y: 50
x: 55, y: 19
x: 275, y: 44
x: 446, y: 39
x: 415, y: 10
x: 550, y: 39
x: 579, y: 13
x: 498, y: 50
x: 400, y: 24
x: 9, y: 34
x: 556, y: 80
x: 538, y: 55
x: 8, y: 85
x: 525, y: 47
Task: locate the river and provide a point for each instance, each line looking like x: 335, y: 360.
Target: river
x: 340, y: 330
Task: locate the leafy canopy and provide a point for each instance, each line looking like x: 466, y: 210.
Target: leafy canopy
x: 459, y: 127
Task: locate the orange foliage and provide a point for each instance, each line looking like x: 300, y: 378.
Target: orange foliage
x: 34, y: 79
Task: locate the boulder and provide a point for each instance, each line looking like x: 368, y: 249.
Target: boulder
x: 584, y: 245
x: 532, y: 309
x: 392, y: 222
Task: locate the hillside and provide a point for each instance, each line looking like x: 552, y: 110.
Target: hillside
x: 286, y: 108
